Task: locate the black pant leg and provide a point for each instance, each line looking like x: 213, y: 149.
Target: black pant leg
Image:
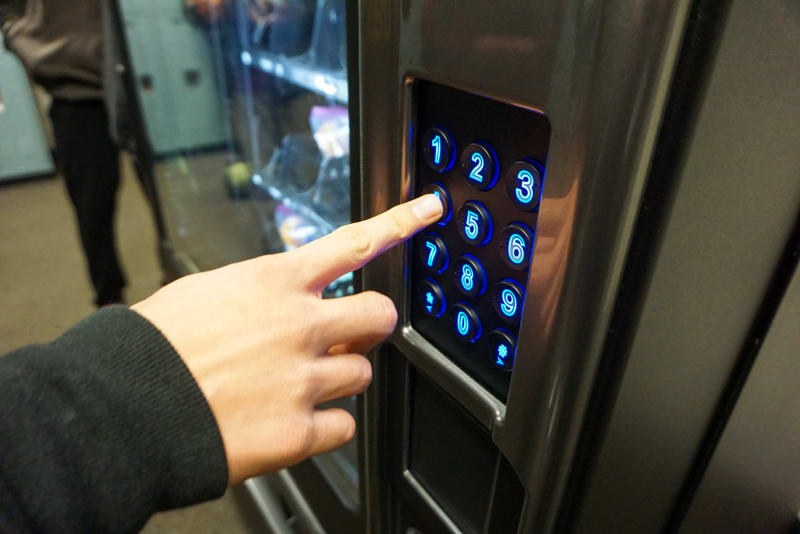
x: 90, y: 165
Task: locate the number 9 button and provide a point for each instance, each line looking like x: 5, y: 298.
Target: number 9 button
x: 508, y: 299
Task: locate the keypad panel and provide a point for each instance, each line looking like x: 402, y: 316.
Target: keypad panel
x: 491, y: 167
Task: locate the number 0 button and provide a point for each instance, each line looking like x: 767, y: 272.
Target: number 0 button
x: 432, y: 252
x: 438, y: 149
x: 524, y: 185
x: 479, y: 164
x: 516, y: 245
x: 474, y: 223
x: 466, y: 322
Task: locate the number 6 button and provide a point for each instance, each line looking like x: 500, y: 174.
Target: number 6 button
x: 480, y: 166
x: 474, y: 223
x: 524, y: 185
x: 516, y: 245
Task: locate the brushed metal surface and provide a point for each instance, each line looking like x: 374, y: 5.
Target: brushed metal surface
x: 738, y: 196
x: 600, y: 72
x: 753, y: 481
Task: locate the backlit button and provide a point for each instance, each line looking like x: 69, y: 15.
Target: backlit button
x: 515, y: 246
x: 508, y: 299
x: 466, y: 322
x: 438, y: 149
x: 479, y: 163
x: 432, y: 252
x: 470, y: 276
x: 524, y: 185
x: 439, y: 190
x: 474, y: 223
x: 502, y: 349
x: 431, y: 297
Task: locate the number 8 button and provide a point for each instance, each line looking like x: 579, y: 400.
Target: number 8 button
x: 524, y: 185
x: 516, y: 245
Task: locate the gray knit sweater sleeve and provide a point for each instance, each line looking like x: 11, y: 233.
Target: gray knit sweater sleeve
x: 101, y: 428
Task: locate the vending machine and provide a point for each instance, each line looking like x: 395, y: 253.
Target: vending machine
x: 600, y: 334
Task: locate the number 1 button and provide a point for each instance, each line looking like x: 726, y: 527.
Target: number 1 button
x: 438, y: 149
x: 524, y: 185
x: 479, y: 164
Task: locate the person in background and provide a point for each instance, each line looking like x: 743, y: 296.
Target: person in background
x: 215, y: 378
x: 61, y: 45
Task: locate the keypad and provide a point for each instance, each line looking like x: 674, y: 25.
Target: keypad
x: 470, y: 273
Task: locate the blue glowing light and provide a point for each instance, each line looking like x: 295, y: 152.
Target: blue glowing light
x: 462, y: 323
x: 524, y: 192
x: 467, y: 277
x: 475, y: 173
x: 431, y: 252
x: 471, y: 225
x: 429, y: 308
x: 516, y: 248
x: 502, y: 351
x: 508, y: 303
x: 429, y: 297
x: 436, y: 143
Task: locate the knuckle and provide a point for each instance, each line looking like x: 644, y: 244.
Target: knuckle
x: 364, y: 374
x: 348, y: 429
x: 358, y: 243
x: 402, y: 227
x: 387, y: 313
x: 304, y: 434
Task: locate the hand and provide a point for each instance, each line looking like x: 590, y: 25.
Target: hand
x: 266, y: 349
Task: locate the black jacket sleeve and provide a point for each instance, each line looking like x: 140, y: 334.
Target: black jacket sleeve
x: 101, y: 428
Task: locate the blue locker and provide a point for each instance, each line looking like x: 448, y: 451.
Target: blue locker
x: 23, y: 146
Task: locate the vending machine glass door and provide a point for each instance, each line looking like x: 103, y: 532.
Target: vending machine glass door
x: 240, y: 126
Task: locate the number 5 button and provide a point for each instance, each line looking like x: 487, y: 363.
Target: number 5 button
x: 524, y: 185
x: 479, y: 163
x: 515, y: 246
x: 474, y: 223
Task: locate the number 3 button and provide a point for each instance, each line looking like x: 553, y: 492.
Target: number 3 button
x: 479, y: 163
x: 524, y: 185
x: 474, y: 223
x: 516, y: 245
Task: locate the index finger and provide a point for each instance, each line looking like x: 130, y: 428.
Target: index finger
x: 351, y: 246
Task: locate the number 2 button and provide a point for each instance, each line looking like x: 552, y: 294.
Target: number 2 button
x: 479, y: 164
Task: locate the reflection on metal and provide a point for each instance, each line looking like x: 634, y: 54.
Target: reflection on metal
x: 268, y: 505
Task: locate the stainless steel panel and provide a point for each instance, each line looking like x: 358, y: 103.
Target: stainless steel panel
x: 753, y: 481
x: 738, y: 196
x: 600, y: 72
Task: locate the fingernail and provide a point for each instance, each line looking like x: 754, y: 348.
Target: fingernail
x: 427, y: 207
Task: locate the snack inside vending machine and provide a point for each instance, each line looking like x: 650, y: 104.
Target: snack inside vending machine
x: 599, y: 333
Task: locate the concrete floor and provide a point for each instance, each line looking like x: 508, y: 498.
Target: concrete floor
x: 44, y: 289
